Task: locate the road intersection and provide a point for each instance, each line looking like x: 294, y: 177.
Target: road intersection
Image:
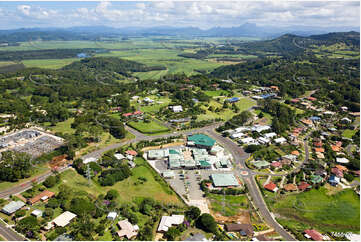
x: 239, y: 157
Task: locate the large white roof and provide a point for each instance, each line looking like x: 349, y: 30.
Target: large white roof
x: 64, y: 219
x: 168, y: 221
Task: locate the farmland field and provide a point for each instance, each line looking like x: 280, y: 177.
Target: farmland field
x: 338, y: 212
x: 49, y: 63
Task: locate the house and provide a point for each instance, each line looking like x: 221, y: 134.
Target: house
x: 12, y: 207
x: 337, y: 172
x: 243, y: 229
x: 313, y: 234
x: 315, y: 118
x: 290, y: 187
x: 320, y: 155
x: 260, y: 128
x: 280, y: 140
x: 64, y: 237
x: 37, y: 213
x: 346, y: 120
x: 334, y: 180
x: 261, y: 164
x: 320, y: 172
x: 295, y: 152
x: 263, y: 140
x: 43, y: 196
x: 307, y: 122
x: 89, y: 159
x: 276, y: 164
x: 320, y: 150
x: 131, y: 164
x: 131, y: 152
x: 177, y: 108
x: 318, y: 143
x: 237, y: 135
x: 270, y: 135
x: 341, y: 168
x: 295, y: 100
x: 274, y: 88
x: 119, y: 156
x: 233, y: 99
x: 271, y: 187
x: 304, y: 186
x: 311, y: 98
x: 64, y: 219
x: 316, y: 179
x: 168, y: 221
x: 148, y: 100
x: 247, y: 140
x: 127, y: 229
x: 342, y: 160
x: 335, y: 148
x: 112, y: 215
x: 344, y: 109
x: 224, y: 180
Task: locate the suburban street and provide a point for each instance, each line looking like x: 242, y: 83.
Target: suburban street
x: 239, y: 157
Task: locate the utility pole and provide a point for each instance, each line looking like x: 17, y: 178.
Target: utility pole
x: 88, y: 174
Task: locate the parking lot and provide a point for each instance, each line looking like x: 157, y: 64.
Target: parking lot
x: 186, y: 182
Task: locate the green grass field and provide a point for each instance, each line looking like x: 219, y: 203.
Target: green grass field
x: 216, y: 93
x: 243, y: 104
x: 348, y: 133
x: 339, y: 212
x: 151, y: 127
x: 232, y: 203
x: 64, y: 127
x: 127, y: 189
x: 49, y: 63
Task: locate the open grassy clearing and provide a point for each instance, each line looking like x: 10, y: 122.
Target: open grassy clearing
x: 49, y: 63
x: 232, y: 203
x: 243, y: 104
x: 151, y: 127
x: 64, y: 127
x: 265, y: 115
x: 348, y: 133
x: 128, y: 189
x: 338, y: 212
x: 216, y: 93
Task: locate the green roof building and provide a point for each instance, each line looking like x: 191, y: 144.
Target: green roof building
x: 316, y: 179
x: 202, y: 141
x: 261, y: 164
x: 224, y: 180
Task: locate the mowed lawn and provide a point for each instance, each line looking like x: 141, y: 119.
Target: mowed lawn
x: 339, y: 212
x: 232, y: 203
x: 151, y: 127
x: 348, y: 133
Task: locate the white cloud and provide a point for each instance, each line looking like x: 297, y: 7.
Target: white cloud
x: 24, y: 9
x: 202, y: 14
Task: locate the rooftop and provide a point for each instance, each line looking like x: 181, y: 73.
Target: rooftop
x: 202, y: 139
x: 224, y: 180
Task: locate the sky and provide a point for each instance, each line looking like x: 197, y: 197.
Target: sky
x: 202, y: 14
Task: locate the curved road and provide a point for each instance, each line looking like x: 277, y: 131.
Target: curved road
x: 237, y: 152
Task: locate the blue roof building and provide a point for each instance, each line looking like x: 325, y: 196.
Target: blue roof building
x: 315, y: 118
x: 269, y: 95
x: 233, y: 99
x: 334, y: 180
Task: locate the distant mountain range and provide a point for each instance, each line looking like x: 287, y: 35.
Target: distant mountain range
x: 94, y: 32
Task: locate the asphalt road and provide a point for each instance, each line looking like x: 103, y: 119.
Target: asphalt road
x: 239, y: 158
x: 9, y: 235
